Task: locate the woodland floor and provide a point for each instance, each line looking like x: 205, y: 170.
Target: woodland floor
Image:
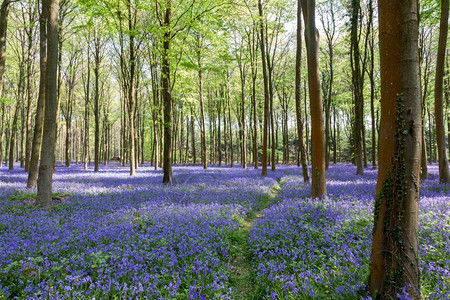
x: 220, y: 233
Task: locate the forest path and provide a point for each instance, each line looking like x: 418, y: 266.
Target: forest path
x: 242, y: 278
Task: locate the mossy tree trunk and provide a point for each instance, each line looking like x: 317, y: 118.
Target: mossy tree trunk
x: 394, y: 258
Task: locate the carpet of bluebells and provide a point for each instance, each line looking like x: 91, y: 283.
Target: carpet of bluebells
x: 112, y: 236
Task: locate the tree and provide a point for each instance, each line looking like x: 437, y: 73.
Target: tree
x: 172, y: 23
x: 318, y: 185
x: 444, y: 174
x: 4, y: 11
x: 357, y: 85
x: 266, y: 89
x: 44, y: 184
x: 39, y: 118
x: 98, y: 44
x: 298, y: 95
x: 394, y: 258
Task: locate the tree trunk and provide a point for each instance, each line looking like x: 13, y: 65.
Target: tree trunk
x: 2, y: 128
x: 194, y: 154
x: 394, y: 259
x: 86, y: 109
x: 372, y: 84
x: 444, y: 174
x: 298, y: 95
x: 39, y: 118
x: 167, y: 97
x: 4, y: 11
x: 12, y: 142
x: 243, y: 135
x: 202, y: 106
x: 357, y: 87
x: 131, y: 94
x: 229, y: 122
x: 30, y: 60
x: 96, y: 104
x: 44, y: 184
x: 266, y: 91
x: 318, y: 186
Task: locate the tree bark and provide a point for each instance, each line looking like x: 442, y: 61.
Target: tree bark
x: 318, y: 186
x: 357, y: 88
x: 44, y: 184
x: 12, y: 142
x: 96, y: 104
x: 39, y: 118
x: 444, y: 173
x: 167, y: 96
x: 202, y: 104
x: 194, y: 153
x: 266, y: 90
x: 394, y: 258
x: 30, y: 60
x: 86, y: 108
x: 131, y: 92
x: 298, y: 95
x: 4, y: 11
x: 229, y: 121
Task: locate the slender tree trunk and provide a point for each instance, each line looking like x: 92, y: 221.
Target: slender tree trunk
x: 194, y: 154
x: 4, y: 11
x: 394, y: 259
x: 19, y: 105
x: 30, y: 59
x: 39, y: 118
x: 229, y: 122
x: 86, y: 109
x: 12, y: 142
x: 131, y: 94
x: 2, y: 128
x: 96, y: 104
x: 167, y: 96
x: 219, y: 108
x: 372, y: 83
x: 202, y: 110
x: 298, y: 95
x: 243, y: 135
x: 357, y: 87
x: 266, y: 90
x: 444, y: 173
x: 318, y: 186
x: 44, y: 184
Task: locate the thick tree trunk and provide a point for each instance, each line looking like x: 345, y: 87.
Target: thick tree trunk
x: 44, y: 184
x: 318, y: 186
x: 444, y: 173
x: 298, y: 95
x: 394, y: 259
x: 39, y: 118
